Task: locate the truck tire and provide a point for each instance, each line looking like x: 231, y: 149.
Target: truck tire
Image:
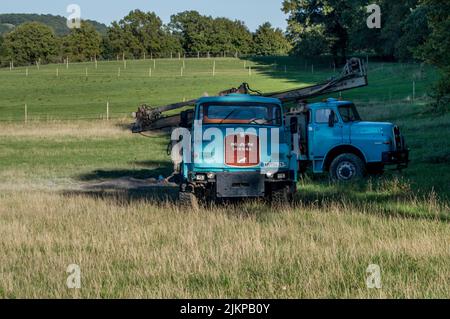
x: 347, y: 167
x: 188, y: 201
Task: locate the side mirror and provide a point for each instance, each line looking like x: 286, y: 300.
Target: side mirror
x: 293, y: 125
x: 331, y: 119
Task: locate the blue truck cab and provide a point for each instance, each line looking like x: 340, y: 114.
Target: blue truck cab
x: 240, y: 147
x: 244, y: 146
x: 333, y: 138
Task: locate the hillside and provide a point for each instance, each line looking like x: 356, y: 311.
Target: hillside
x: 57, y: 23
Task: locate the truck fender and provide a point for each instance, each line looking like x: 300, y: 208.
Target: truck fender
x: 340, y: 149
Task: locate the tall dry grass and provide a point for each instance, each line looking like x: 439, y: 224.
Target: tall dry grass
x: 142, y: 249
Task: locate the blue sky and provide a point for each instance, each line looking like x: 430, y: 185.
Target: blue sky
x: 252, y: 12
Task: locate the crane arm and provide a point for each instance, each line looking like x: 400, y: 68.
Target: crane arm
x: 354, y: 75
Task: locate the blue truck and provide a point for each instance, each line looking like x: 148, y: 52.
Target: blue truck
x: 245, y: 144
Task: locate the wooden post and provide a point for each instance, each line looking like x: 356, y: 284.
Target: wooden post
x: 86, y: 72
x: 26, y: 72
x: 107, y: 111
x: 144, y: 56
x: 26, y: 113
x: 124, y: 64
x: 151, y: 55
x: 198, y: 55
x: 250, y: 70
x: 285, y: 69
x: 214, y: 68
x: 184, y: 65
x: 181, y: 71
x: 10, y: 65
x: 179, y: 56
x: 154, y: 64
x: 171, y: 55
x: 96, y: 64
x: 57, y: 72
x: 150, y: 72
x: 118, y: 73
x: 67, y: 62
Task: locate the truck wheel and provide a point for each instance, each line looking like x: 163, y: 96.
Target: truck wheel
x: 347, y: 167
x: 188, y: 201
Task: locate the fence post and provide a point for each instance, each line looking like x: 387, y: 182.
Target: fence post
x: 154, y: 64
x: 26, y: 113
x: 250, y: 70
x: 86, y: 72
x: 150, y: 72
x: 26, y: 71
x: 67, y: 62
x: 214, y: 68
x: 118, y: 73
x: 107, y: 110
x: 181, y: 71
x: 57, y: 72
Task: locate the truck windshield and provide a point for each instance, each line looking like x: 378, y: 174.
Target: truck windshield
x: 349, y: 113
x: 260, y: 114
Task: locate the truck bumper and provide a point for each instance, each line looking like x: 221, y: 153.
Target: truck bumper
x: 242, y: 184
x: 400, y: 158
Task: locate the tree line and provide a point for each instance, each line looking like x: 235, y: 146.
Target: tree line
x: 410, y: 30
x: 140, y: 34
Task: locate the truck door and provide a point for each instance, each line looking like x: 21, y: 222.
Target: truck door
x: 324, y: 135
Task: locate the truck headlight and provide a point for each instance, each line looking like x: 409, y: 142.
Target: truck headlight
x: 200, y: 177
x: 269, y: 175
x: 211, y: 175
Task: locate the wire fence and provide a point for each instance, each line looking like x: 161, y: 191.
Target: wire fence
x: 413, y: 76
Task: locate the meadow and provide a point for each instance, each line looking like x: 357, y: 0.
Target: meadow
x: 74, y: 190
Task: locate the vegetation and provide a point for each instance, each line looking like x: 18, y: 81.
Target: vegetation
x: 57, y: 23
x: 82, y: 44
x: 31, y: 42
x: 436, y: 50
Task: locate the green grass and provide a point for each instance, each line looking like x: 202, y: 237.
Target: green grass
x: 55, y: 209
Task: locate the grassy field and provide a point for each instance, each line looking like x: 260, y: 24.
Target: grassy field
x: 77, y: 192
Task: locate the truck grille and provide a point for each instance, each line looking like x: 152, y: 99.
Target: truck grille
x: 242, y: 150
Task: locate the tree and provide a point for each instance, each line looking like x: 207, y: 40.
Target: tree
x: 332, y: 18
x: 82, y: 44
x: 141, y: 33
x: 194, y: 30
x: 436, y: 49
x: 415, y: 31
x: 270, y: 41
x: 30, y: 42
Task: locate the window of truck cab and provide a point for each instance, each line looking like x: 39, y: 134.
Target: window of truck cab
x: 349, y: 113
x: 322, y: 116
x: 248, y: 113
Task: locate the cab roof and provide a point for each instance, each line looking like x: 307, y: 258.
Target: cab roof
x: 238, y: 98
x: 329, y: 102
